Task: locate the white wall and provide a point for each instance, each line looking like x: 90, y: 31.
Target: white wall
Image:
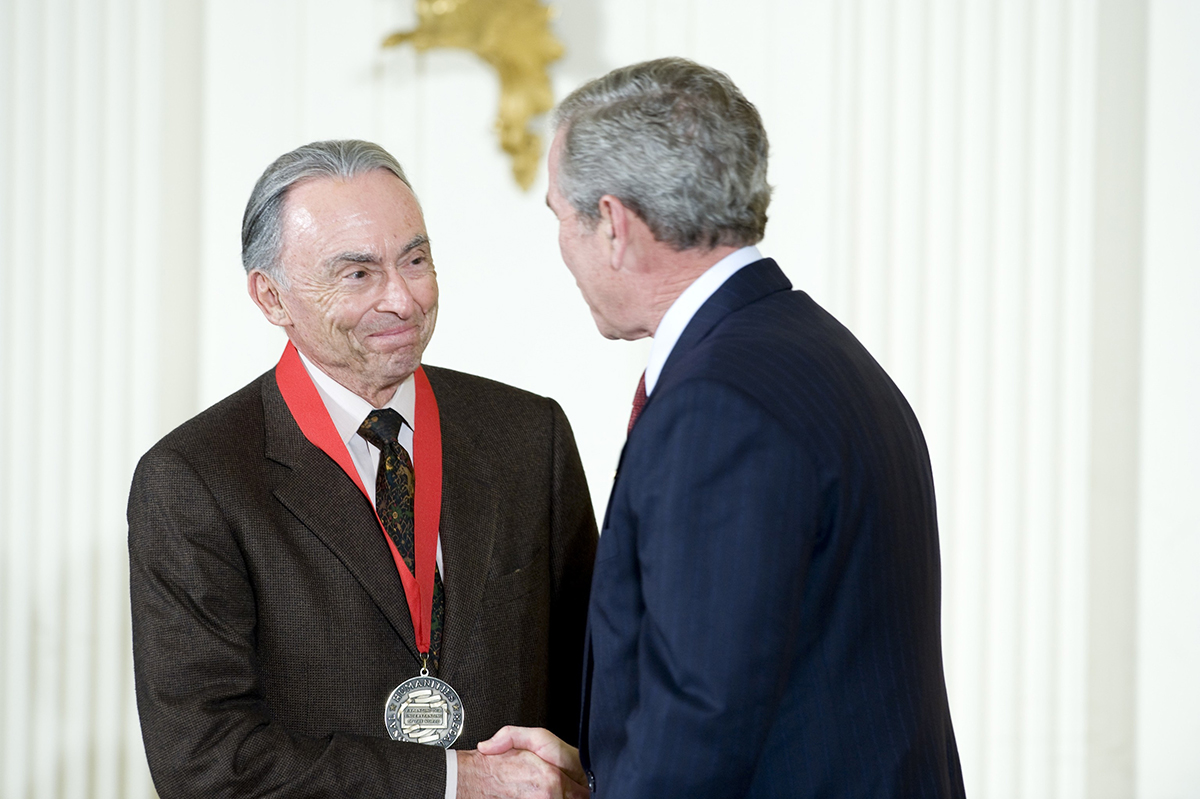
x: 997, y: 196
x: 1168, y: 555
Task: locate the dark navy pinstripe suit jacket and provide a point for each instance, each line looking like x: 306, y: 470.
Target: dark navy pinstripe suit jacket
x: 764, y: 616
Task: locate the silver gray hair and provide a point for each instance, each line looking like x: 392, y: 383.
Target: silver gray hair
x: 674, y: 141
x: 262, y: 223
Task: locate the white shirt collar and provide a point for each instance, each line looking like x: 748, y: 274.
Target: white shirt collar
x: 685, y: 306
x: 347, y: 409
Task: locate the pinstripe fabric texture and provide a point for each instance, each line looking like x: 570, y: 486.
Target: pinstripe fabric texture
x: 764, y: 620
x: 269, y: 623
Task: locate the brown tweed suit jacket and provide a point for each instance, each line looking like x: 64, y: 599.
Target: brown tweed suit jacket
x: 269, y: 623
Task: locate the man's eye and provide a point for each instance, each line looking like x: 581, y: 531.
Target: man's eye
x: 357, y: 274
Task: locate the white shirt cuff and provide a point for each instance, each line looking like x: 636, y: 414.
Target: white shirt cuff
x: 451, y: 774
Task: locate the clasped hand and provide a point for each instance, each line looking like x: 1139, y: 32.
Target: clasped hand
x: 522, y: 762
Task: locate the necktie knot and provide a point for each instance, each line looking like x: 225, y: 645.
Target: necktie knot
x: 381, y: 427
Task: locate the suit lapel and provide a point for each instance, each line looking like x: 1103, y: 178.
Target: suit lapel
x: 467, y: 529
x: 330, y: 506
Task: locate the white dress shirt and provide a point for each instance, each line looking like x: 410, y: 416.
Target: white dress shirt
x: 348, y: 410
x: 685, y: 306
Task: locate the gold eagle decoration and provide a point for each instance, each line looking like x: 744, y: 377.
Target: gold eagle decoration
x: 513, y: 36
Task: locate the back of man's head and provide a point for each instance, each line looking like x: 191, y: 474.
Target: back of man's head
x: 262, y: 222
x: 677, y: 143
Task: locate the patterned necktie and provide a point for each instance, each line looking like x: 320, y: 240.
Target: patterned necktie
x: 639, y: 402
x: 395, y: 484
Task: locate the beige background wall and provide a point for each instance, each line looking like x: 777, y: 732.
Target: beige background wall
x: 999, y: 196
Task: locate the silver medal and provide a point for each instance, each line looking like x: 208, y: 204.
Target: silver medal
x: 424, y: 710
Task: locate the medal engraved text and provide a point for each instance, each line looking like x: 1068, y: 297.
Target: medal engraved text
x: 424, y: 710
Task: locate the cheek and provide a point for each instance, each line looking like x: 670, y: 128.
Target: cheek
x: 324, y: 306
x: 564, y: 237
x: 426, y: 294
x: 343, y: 313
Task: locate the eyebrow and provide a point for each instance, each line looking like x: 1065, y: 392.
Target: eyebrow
x: 353, y: 257
x: 419, y: 240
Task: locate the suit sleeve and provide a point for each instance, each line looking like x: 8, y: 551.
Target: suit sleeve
x: 573, y: 553
x: 205, y: 724
x: 725, y: 509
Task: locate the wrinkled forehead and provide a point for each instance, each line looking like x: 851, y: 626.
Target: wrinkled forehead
x: 373, y: 212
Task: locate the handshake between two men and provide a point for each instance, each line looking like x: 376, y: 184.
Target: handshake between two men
x: 522, y: 762
x: 356, y: 531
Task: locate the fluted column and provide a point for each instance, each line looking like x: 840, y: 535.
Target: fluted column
x: 96, y: 359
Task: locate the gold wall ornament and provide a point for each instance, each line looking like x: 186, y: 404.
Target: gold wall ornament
x: 513, y: 36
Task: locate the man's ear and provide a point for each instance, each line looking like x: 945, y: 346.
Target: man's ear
x: 615, y: 225
x: 267, y: 296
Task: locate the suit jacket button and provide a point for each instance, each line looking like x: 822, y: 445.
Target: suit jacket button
x: 591, y: 781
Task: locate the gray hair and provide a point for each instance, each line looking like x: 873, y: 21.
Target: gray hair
x: 674, y: 141
x: 262, y: 223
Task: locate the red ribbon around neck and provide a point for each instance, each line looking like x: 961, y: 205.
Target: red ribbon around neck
x: 310, y: 414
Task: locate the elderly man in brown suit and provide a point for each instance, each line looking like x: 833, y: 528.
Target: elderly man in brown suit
x: 355, y: 548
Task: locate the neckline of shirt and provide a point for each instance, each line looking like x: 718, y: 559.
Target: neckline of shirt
x: 676, y: 319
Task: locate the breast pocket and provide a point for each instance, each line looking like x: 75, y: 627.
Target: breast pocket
x: 520, y: 581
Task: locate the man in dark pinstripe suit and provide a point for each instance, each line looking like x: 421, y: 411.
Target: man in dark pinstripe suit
x: 764, y: 616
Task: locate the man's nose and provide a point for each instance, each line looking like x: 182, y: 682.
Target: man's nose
x: 396, y: 297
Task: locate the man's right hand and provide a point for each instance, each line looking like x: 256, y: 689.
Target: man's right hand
x: 515, y: 773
